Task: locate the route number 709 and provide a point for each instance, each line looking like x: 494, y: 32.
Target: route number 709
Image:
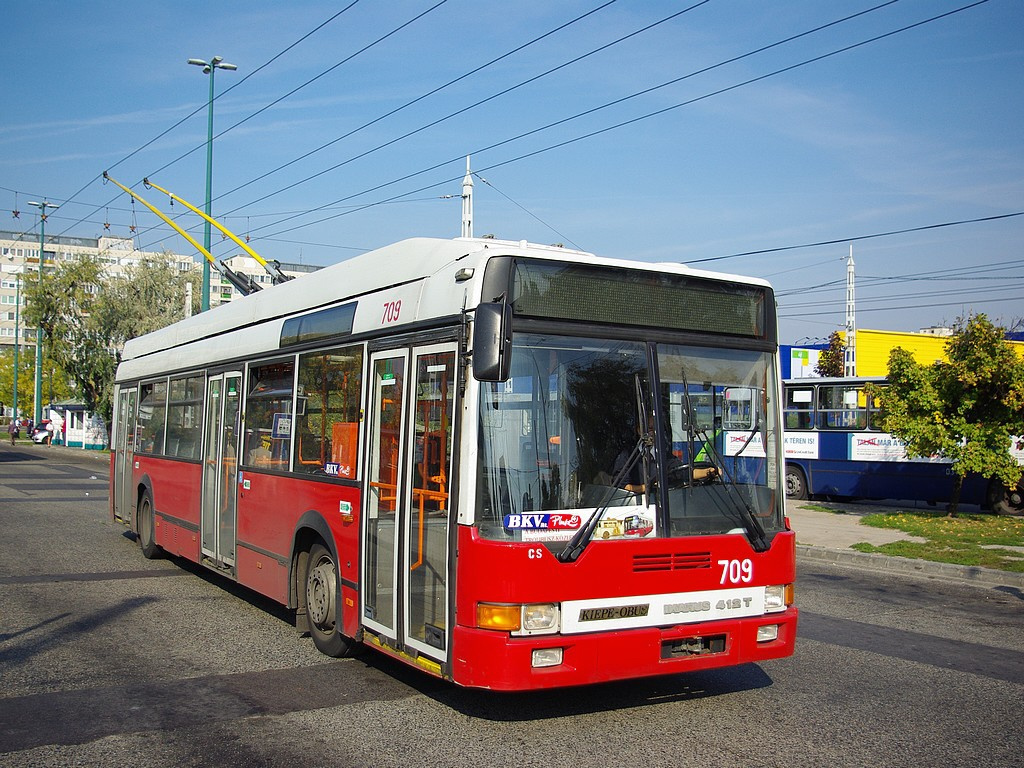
x: 736, y: 571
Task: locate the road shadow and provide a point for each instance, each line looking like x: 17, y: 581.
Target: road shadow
x: 569, y: 702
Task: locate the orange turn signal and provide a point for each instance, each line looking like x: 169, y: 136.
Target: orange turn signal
x: 506, y: 618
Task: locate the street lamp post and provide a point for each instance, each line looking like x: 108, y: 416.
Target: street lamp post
x: 38, y: 405
x: 209, y: 68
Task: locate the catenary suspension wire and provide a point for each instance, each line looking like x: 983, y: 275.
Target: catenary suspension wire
x: 199, y: 109
x: 516, y: 49
x: 615, y: 126
x: 475, y: 104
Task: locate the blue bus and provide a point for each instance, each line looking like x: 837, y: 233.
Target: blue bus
x: 835, y: 447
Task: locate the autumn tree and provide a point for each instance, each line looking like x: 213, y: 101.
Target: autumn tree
x: 966, y: 409
x: 831, y: 361
x: 55, y: 383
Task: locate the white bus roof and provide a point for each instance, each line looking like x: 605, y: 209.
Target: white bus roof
x: 419, y: 272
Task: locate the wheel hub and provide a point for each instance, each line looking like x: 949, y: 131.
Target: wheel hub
x: 320, y: 591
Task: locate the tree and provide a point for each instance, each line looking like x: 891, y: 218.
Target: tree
x: 151, y: 296
x: 965, y: 409
x: 87, y: 316
x: 831, y: 361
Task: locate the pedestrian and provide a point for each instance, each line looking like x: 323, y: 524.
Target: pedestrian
x: 12, y: 430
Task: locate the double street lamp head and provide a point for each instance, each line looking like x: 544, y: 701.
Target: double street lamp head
x: 43, y: 206
x: 215, y: 63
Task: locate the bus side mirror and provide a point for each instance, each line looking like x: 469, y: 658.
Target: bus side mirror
x: 492, y: 342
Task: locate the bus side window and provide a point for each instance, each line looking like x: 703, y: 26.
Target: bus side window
x: 268, y: 410
x: 842, y: 407
x: 799, y: 408
x: 327, y: 416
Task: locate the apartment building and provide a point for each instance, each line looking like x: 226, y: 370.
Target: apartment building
x: 19, y: 260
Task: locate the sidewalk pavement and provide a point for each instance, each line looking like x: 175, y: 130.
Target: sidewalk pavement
x: 827, y: 537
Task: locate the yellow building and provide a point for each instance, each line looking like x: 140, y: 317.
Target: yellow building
x: 873, y: 348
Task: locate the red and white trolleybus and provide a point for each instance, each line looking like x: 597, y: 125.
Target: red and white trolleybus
x: 514, y: 466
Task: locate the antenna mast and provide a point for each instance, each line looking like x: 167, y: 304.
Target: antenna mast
x: 850, y: 353
x: 467, y: 202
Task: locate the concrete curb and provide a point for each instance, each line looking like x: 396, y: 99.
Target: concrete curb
x: 90, y: 455
x: 966, y: 573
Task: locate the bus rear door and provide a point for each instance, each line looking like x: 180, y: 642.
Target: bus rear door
x: 124, y: 455
x: 220, y: 468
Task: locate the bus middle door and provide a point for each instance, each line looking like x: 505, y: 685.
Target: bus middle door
x: 220, y: 469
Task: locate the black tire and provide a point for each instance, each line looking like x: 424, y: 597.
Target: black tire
x: 796, y: 483
x: 1006, y: 501
x: 147, y: 527
x: 321, y: 585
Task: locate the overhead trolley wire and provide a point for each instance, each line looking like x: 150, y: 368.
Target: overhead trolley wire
x: 474, y: 105
x: 860, y: 237
x: 295, y: 90
x: 435, y: 90
x: 952, y: 273
x: 930, y: 305
x: 604, y: 130
x: 199, y: 109
x: 418, y: 99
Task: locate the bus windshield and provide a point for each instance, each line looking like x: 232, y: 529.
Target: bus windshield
x: 577, y: 432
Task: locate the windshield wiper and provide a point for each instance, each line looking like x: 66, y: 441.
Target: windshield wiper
x: 753, y: 527
x: 755, y: 531
x: 574, y: 548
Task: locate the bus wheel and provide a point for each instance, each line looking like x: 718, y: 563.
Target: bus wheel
x: 796, y: 483
x: 322, y: 604
x: 147, y: 529
x: 1006, y: 501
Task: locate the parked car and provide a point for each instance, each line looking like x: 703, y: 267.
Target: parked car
x: 42, y: 433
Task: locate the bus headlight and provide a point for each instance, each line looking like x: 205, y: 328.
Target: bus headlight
x: 540, y: 617
x: 529, y: 619
x: 778, y: 597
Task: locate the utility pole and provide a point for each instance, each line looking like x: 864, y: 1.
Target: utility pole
x: 38, y: 406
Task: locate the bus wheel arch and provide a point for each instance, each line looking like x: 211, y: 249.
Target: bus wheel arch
x: 1005, y: 501
x: 796, y: 482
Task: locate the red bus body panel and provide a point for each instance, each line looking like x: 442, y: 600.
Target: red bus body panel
x: 531, y: 574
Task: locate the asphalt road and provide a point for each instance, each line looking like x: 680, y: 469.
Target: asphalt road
x: 110, y: 659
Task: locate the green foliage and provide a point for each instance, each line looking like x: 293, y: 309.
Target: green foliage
x: 966, y: 409
x: 986, y: 541
x: 832, y: 361
x: 87, y: 316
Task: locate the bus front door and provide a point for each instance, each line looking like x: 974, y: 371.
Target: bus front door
x: 220, y: 469
x: 385, y: 443
x: 408, y: 504
x: 428, y: 503
x: 124, y: 455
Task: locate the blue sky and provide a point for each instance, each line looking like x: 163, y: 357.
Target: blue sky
x: 918, y: 129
